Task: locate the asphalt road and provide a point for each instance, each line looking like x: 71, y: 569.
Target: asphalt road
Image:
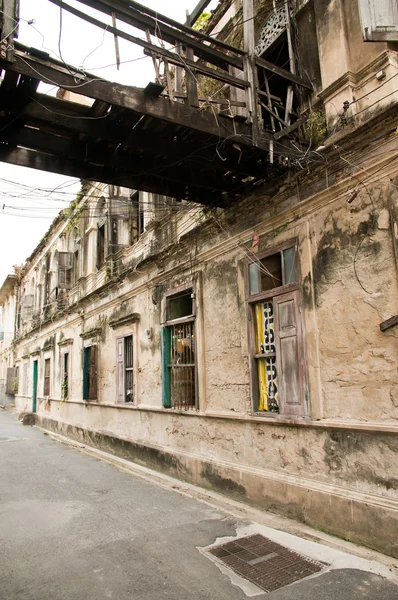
x: 74, y: 527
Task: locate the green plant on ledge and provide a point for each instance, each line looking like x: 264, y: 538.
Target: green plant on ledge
x: 64, y: 389
x: 15, y: 384
x: 315, y: 128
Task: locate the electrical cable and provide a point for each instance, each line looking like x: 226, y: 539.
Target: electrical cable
x: 374, y: 103
x: 51, y: 110
x: 374, y: 90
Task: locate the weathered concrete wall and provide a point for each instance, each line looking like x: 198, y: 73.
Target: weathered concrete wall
x: 353, y: 291
x: 359, y: 517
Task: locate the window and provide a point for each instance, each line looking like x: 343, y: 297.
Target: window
x: 47, y: 377
x: 90, y: 373
x: 178, y: 352
x: 76, y: 274
x: 65, y: 270
x: 12, y: 381
x: 101, y: 246
x: 137, y: 216
x: 27, y: 306
x: 125, y: 369
x: 277, y: 349
x: 25, y: 368
x: 65, y: 376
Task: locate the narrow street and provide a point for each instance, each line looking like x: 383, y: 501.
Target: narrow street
x: 75, y: 527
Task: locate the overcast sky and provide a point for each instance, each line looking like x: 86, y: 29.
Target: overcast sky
x: 27, y: 205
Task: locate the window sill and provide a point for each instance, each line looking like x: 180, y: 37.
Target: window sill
x: 273, y: 421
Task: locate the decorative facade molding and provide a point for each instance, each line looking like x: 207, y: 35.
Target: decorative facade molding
x: 91, y: 333
x: 273, y: 28
x: 125, y: 320
x: 66, y: 342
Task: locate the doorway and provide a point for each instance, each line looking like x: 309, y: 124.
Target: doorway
x: 34, y: 387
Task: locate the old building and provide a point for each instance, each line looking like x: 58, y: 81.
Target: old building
x: 248, y: 348
x: 9, y: 376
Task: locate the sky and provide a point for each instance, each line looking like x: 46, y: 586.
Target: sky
x: 30, y: 199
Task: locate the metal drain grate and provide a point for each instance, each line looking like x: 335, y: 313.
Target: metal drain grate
x: 265, y: 563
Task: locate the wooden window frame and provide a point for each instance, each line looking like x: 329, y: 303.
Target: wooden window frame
x: 121, y: 396
x: 65, y: 270
x: 175, y: 292
x: 289, y: 292
x: 47, y: 378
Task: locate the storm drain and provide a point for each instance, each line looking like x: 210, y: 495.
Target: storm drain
x: 265, y: 563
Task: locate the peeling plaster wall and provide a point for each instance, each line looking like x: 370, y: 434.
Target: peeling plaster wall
x: 355, y: 289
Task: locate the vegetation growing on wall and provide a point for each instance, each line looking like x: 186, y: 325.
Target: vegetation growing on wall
x: 202, y: 21
x: 76, y: 208
x: 315, y: 128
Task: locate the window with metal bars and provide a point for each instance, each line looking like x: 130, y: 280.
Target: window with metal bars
x: 125, y: 369
x: 179, y: 388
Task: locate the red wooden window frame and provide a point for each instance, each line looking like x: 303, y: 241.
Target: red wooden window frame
x: 47, y: 377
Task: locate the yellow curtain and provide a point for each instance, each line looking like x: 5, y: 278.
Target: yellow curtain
x: 261, y: 368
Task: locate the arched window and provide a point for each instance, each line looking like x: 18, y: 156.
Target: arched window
x: 100, y: 213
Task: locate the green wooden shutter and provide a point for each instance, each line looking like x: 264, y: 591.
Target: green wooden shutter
x: 165, y: 349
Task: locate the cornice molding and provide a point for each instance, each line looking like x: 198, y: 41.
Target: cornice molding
x: 125, y: 320
x: 65, y: 342
x: 353, y: 78
x: 91, y: 333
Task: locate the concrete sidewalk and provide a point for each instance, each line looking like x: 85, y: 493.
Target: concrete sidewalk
x: 76, y: 523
